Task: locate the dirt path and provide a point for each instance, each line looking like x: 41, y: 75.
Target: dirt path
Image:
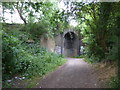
x: 76, y: 73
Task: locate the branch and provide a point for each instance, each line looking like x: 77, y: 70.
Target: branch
x: 20, y: 12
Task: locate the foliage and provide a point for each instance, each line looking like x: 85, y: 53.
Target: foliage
x: 36, y: 30
x: 99, y: 28
x: 99, y: 25
x: 39, y: 17
x: 114, y: 83
x: 100, y: 39
x: 27, y: 59
x: 20, y: 57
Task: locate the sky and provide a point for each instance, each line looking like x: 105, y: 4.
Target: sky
x: 15, y: 18
x: 72, y: 22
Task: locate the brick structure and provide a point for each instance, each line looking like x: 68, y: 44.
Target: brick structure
x: 68, y: 43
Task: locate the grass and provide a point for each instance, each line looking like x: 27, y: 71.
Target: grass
x: 30, y: 82
x: 34, y: 81
x: 6, y: 85
x: 26, y: 60
x: 106, y: 73
x: 114, y: 82
x: 81, y: 56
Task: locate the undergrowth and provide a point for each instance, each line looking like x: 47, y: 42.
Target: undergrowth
x: 114, y: 82
x: 25, y: 59
x: 80, y: 56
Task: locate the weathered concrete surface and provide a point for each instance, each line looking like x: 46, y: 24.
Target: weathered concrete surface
x: 48, y: 43
x: 74, y: 74
x: 67, y: 44
x: 71, y: 44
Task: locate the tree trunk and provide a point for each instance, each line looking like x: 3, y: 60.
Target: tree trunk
x: 20, y: 13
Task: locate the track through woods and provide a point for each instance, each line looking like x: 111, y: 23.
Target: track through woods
x: 75, y: 73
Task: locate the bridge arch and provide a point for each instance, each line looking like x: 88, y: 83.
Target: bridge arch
x: 70, y: 43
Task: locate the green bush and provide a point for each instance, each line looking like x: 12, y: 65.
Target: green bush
x: 9, y: 44
x: 38, y: 29
x: 26, y: 59
x: 94, y: 53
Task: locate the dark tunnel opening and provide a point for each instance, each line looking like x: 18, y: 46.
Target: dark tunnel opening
x: 70, y: 44
x: 69, y: 40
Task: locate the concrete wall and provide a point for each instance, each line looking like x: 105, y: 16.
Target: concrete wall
x: 71, y: 44
x: 48, y: 43
x: 60, y: 45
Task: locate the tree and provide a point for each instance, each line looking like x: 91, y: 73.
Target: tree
x: 97, y: 21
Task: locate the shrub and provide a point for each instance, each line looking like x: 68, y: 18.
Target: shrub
x: 26, y: 59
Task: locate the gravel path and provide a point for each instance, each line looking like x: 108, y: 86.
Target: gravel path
x: 75, y: 73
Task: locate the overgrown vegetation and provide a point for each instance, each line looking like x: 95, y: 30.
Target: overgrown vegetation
x: 24, y: 58
x: 98, y: 26
x: 27, y: 59
x: 114, y: 83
